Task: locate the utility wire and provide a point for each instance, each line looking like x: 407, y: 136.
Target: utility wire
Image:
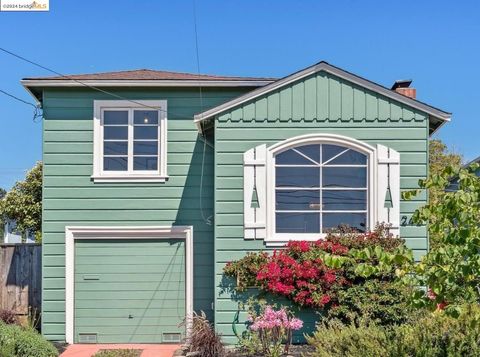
x: 17, y: 98
x: 37, y: 112
x: 80, y: 82
x: 206, y: 219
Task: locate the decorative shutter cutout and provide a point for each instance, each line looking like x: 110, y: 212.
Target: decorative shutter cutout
x: 254, y: 192
x: 388, y: 185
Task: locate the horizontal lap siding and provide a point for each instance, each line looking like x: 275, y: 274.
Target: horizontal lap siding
x: 71, y: 198
x: 322, y: 104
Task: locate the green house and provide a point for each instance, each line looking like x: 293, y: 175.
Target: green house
x: 154, y: 180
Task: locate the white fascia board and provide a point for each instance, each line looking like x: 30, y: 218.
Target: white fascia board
x: 323, y: 66
x: 141, y: 83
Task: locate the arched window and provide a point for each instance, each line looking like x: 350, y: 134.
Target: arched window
x: 304, y: 186
x: 319, y: 187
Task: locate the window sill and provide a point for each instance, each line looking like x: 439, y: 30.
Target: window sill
x: 129, y: 178
x: 280, y: 240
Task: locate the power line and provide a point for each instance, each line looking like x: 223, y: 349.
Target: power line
x: 17, y: 98
x: 206, y: 219
x: 37, y: 113
x: 79, y: 82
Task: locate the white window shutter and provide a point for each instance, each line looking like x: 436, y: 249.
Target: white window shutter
x: 388, y: 187
x: 254, y: 192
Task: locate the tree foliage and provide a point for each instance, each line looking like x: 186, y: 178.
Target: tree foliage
x: 451, y: 269
x: 439, y: 159
x: 23, y: 203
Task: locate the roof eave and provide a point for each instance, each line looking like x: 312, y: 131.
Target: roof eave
x: 29, y: 84
x: 324, y: 66
x: 143, y: 83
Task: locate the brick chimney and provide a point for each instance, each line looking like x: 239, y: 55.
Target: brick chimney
x: 403, y: 87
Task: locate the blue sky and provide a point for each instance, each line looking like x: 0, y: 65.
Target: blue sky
x: 436, y: 43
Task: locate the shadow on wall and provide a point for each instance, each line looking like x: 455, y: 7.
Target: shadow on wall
x: 196, y: 209
x: 310, y: 317
x: 20, y: 277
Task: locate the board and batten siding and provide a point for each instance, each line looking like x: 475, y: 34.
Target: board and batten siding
x: 71, y: 198
x: 320, y: 103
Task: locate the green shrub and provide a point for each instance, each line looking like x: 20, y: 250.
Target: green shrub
x: 16, y: 341
x: 378, y: 301
x: 433, y: 335
x: 335, y: 339
x: 441, y: 335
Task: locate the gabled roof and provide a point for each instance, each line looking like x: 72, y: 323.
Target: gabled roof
x: 140, y: 78
x: 437, y: 117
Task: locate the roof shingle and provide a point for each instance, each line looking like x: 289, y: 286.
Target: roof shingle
x: 148, y: 74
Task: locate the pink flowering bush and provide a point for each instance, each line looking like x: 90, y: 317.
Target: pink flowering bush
x: 273, y: 329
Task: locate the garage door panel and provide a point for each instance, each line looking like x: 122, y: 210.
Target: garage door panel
x: 167, y: 319
x: 130, y: 268
x: 127, y: 304
x: 167, y: 251
x: 130, y: 286
x: 129, y: 290
x: 125, y: 295
x: 132, y: 277
x: 168, y: 308
x: 150, y: 260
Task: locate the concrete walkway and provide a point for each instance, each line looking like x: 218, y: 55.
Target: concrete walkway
x: 79, y: 350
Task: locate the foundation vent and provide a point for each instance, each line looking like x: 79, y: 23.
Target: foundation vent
x: 171, y: 337
x: 87, y: 338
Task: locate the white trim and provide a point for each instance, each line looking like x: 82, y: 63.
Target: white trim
x: 116, y: 233
x: 323, y: 66
x: 142, y: 83
x: 129, y: 176
x: 357, y: 145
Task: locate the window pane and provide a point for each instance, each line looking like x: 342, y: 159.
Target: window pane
x: 312, y: 151
x: 344, y: 200
x: 297, y: 176
x: 329, y: 151
x: 291, y: 157
x: 298, y: 200
x: 353, y: 220
x: 297, y: 222
x: 115, y: 117
x: 145, y: 132
x: 115, y: 148
x: 145, y: 163
x: 145, y: 148
x: 145, y: 117
x: 345, y: 177
x: 115, y: 163
x: 115, y: 132
x: 350, y: 157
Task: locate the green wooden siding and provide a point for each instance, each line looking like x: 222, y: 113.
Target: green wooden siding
x: 129, y: 290
x: 320, y: 103
x: 70, y: 198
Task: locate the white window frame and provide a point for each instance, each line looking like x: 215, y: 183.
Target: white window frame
x: 99, y: 175
x: 274, y: 238
x: 117, y: 234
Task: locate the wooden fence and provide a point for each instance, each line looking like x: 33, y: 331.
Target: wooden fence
x: 20, y: 277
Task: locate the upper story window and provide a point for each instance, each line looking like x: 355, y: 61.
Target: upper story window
x: 319, y: 187
x: 130, y: 141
